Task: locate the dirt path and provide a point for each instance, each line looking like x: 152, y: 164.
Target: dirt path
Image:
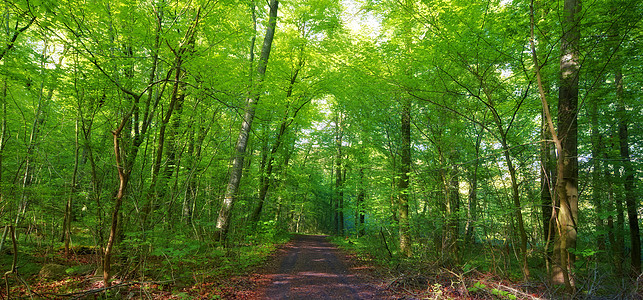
x: 312, y: 268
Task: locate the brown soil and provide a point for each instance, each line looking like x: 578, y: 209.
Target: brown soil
x: 312, y: 268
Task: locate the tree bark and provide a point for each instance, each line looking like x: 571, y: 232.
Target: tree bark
x: 225, y: 213
x: 547, y: 187
x: 3, y: 132
x: 403, y: 184
x: 597, y: 183
x: 629, y: 181
x: 567, y: 185
x: 72, y: 194
x: 515, y: 193
x: 360, y: 216
x: 124, y: 169
x: 615, y: 207
x: 472, y: 200
x: 565, y: 208
x: 339, y: 192
x: 267, y: 162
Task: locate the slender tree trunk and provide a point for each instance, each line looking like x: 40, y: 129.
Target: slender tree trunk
x: 454, y: 209
x: 597, y: 184
x: 629, y: 182
x: 172, y: 117
x: 193, y: 159
x: 515, y: 196
x: 517, y: 212
x: 615, y: 231
x: 39, y: 120
x: 154, y: 192
x: 265, y: 179
x: 515, y: 193
x: 124, y: 171
x: 72, y: 194
x: 339, y: 192
x: 225, y: 213
x: 403, y: 185
x: 547, y: 187
x: 3, y: 132
x: 472, y: 200
x: 360, y: 216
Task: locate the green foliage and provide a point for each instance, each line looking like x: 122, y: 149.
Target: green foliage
x: 479, y: 287
x: 74, y: 74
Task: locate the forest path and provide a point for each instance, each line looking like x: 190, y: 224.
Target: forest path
x: 312, y: 268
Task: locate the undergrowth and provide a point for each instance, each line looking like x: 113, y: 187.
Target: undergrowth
x: 480, y: 272
x: 146, y: 266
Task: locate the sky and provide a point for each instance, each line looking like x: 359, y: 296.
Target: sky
x: 359, y: 21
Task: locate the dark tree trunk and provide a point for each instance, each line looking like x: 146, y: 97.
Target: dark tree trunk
x: 629, y: 181
x: 597, y: 184
x: 361, y: 215
x: 472, y: 200
x: 565, y: 208
x: 547, y: 187
x: 265, y: 179
x: 339, y: 192
x: 567, y: 180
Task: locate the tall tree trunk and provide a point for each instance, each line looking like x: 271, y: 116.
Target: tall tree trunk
x: 72, y: 194
x: 339, y: 192
x: 3, y: 132
x: 172, y: 117
x: 453, y: 207
x: 565, y: 210
x: 268, y: 159
x: 515, y: 194
x: 403, y: 184
x: 124, y: 168
x: 615, y: 231
x: 629, y: 182
x: 547, y: 187
x: 38, y: 121
x: 472, y: 200
x: 360, y: 216
x: 223, y: 220
x: 517, y: 211
x: 193, y: 159
x: 155, y: 187
x: 267, y: 174
x: 597, y: 184
x: 567, y: 184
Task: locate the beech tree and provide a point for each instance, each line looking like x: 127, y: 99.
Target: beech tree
x: 223, y: 221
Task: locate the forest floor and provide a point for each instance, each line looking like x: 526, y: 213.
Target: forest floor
x: 310, y: 267
x: 306, y: 267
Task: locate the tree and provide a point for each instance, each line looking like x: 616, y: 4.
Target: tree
x: 565, y: 208
x: 567, y: 179
x: 404, y: 174
x: 223, y: 220
x: 629, y: 181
